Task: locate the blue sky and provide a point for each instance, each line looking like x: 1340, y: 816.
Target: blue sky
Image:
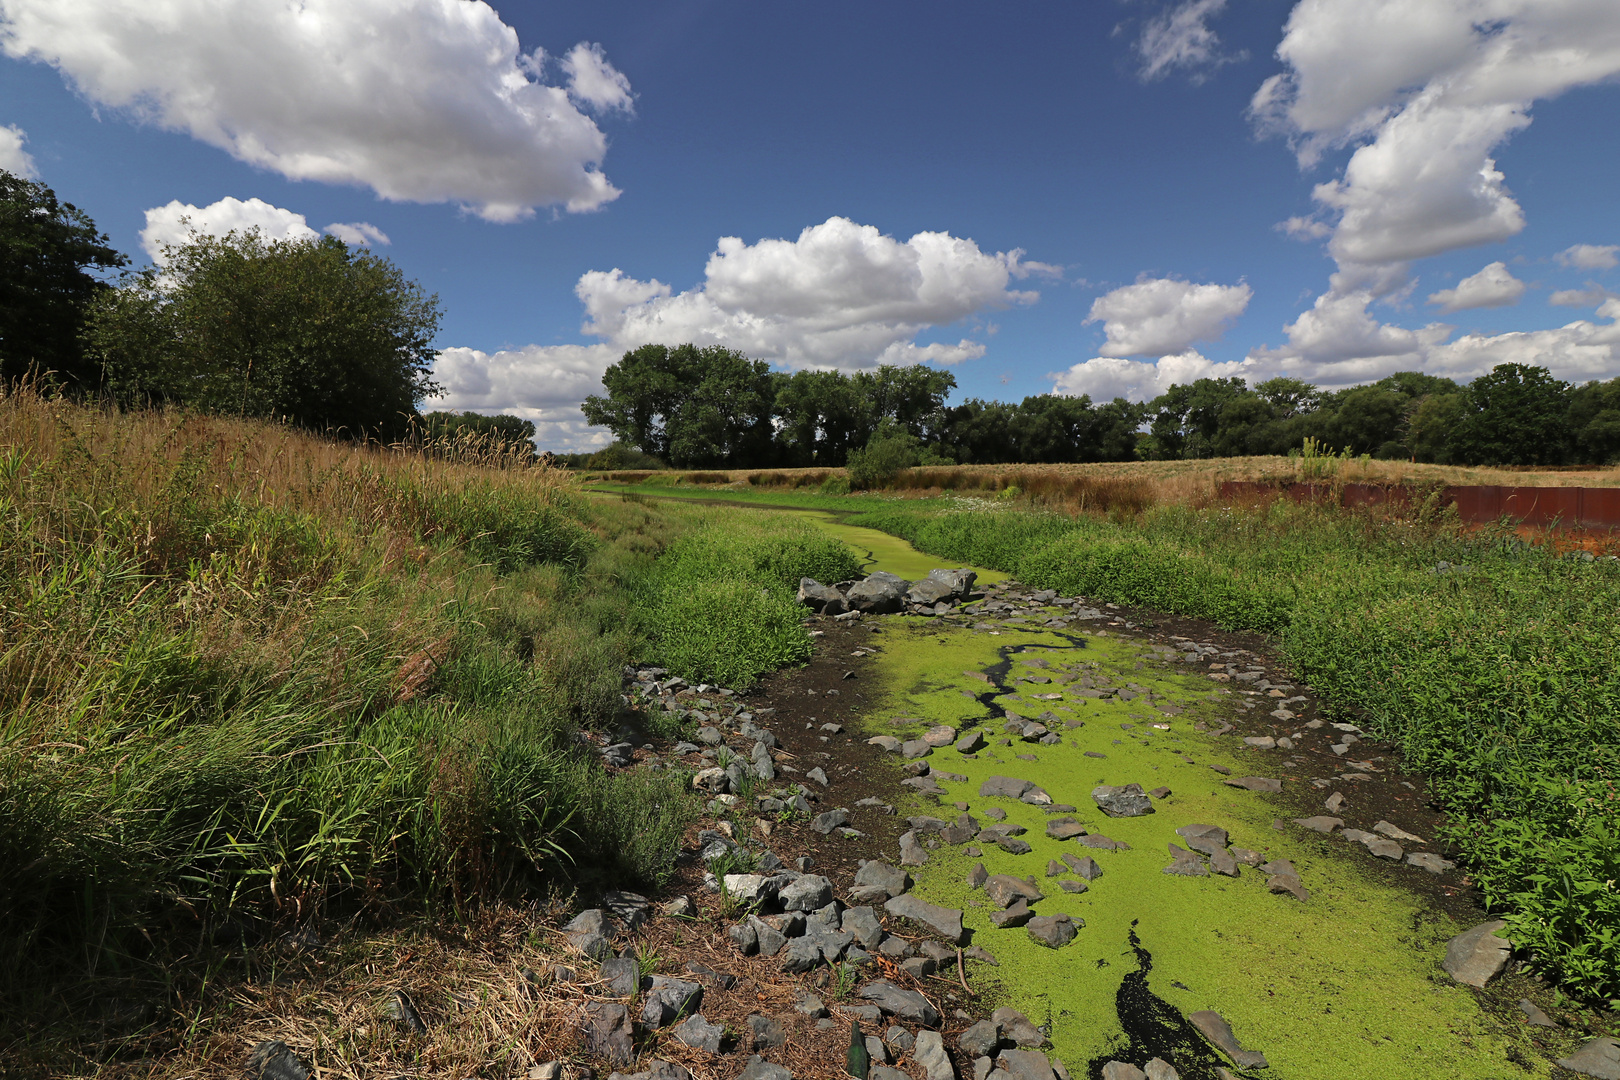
x: 1091, y: 197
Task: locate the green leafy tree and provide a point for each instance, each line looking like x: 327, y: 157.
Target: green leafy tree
x: 1187, y: 418
x: 1365, y: 420
x: 695, y: 408
x: 890, y: 449
x: 824, y: 415
x: 1594, y: 418
x: 1430, y: 424
x: 50, y: 253
x: 1516, y: 414
x: 310, y: 331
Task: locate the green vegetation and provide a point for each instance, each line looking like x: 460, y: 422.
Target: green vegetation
x: 1498, y: 674
x: 249, y: 674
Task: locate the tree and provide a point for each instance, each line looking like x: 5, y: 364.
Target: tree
x: 505, y: 433
x: 308, y: 331
x: 1594, y: 418
x: 705, y: 408
x: 49, y: 254
x: 1187, y: 418
x: 1514, y: 415
x: 824, y: 416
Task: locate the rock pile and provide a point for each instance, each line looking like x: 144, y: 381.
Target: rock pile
x: 884, y: 593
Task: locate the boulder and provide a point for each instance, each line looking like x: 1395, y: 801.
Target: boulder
x: 591, y: 933
x: 906, y: 1004
x: 606, y: 1032
x: 1053, y: 931
x: 929, y: 1052
x: 960, y: 582
x: 821, y: 598
x: 668, y: 999
x: 943, y: 922
x: 809, y: 893
x: 1476, y: 956
x: 1597, y: 1057
x: 980, y: 1040
x: 699, y: 1034
x: 1025, y: 1065
x: 1219, y: 1033
x: 877, y: 881
x: 1005, y: 787
x: 1004, y: 889
x: 881, y: 593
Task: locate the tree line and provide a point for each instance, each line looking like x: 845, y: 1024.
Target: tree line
x: 712, y: 407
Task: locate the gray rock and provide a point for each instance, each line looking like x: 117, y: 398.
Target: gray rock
x: 1186, y: 863
x: 1064, y: 828
x: 668, y: 999
x: 970, y: 743
x: 911, y: 852
x: 698, y: 1033
x: 1017, y: 1028
x: 801, y: 955
x: 809, y: 892
x: 750, y: 888
x: 1119, y: 1070
x: 746, y: 937
x: 877, y: 881
x: 1160, y: 1069
x: 547, y: 1070
x: 1320, y: 823
x: 1476, y: 956
x: 1084, y: 865
x: 1003, y: 889
x: 1290, y: 884
x: 770, y: 938
x: 667, y: 1070
x: 1025, y: 1065
x: 862, y: 923
x: 980, y: 1040
x: 1333, y: 803
x: 1219, y: 1033
x: 821, y: 598
x: 1223, y: 862
x: 622, y: 975
x: 1534, y: 1016
x: 978, y: 876
x: 939, y: 735
x: 884, y: 1072
x: 1127, y: 801
x: 1254, y: 783
x: 1005, y: 787
x: 919, y: 967
x: 1395, y: 832
x: 606, y: 1032
x: 1429, y: 861
x: 1598, y: 1057
x: 1207, y: 839
x: 1053, y: 931
x: 959, y: 581
x: 1017, y: 914
x: 915, y: 748
x: 680, y: 908
x: 899, y: 1038
x: 273, y: 1059
x: 906, y: 1004
x: 818, y: 775
x: 944, y: 922
x: 760, y: 1069
x: 591, y: 933
x: 1012, y: 845
x: 766, y: 1033
x: 808, y: 1004
x: 876, y: 1051
x: 929, y: 1052
x: 827, y: 822
x: 881, y: 593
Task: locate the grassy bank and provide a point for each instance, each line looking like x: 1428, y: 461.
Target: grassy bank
x: 249, y: 677
x: 1499, y: 677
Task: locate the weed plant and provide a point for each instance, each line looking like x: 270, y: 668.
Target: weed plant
x: 1498, y: 674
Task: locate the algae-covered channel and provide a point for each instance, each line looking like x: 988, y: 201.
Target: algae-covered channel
x: 1345, y: 985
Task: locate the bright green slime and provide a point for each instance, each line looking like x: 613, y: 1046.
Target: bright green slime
x: 1341, y: 987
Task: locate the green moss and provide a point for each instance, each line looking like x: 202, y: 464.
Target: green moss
x: 885, y: 552
x: 1346, y: 985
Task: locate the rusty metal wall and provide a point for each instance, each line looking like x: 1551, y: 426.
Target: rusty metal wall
x: 1542, y: 507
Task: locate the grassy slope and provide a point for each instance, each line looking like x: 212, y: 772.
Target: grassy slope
x: 246, y: 671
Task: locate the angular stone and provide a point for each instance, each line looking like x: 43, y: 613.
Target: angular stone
x: 1005, y: 787
x: 1025, y: 1065
x: 911, y: 852
x: 1084, y: 865
x: 978, y: 876
x: 771, y: 936
x: 906, y: 1004
x: 862, y: 923
x: 808, y: 1004
x: 273, y: 1059
x: 1064, y: 829
x: 1012, y: 845
x: 1219, y: 1033
x: 877, y: 881
x: 1120, y: 1070
x: 1003, y: 889
x: 669, y: 998
x: 1054, y: 931
x: 1207, y: 839
x: 1223, y: 862
x: 680, y: 908
x: 1160, y: 1069
x: 1255, y: 783
x: 1017, y: 914
x: 1103, y: 843
x: 939, y: 735
x: 750, y: 888
x: 944, y: 922
x: 808, y: 893
x: 606, y: 1032
x: 591, y: 933
x: 971, y: 743
x: 766, y: 1033
x: 1290, y: 884
x: 827, y: 822
x: 1534, y: 1016
x: 1474, y: 957
x: 980, y: 1040
x: 1395, y: 832
x: 622, y: 975
x: 1429, y: 861
x: 1017, y: 1029
x: 1186, y: 863
x: 915, y: 748
x: 699, y: 1034
x: 884, y: 742
x: 1333, y: 803
x: 1320, y: 823
x: 760, y: 1069
x: 929, y: 1052
x: 881, y: 593
x: 1597, y: 1057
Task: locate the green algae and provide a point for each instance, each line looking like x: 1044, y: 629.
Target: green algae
x: 884, y: 551
x: 1345, y: 985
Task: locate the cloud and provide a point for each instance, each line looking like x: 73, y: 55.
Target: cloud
x: 542, y: 383
x: 842, y: 295
x: 1181, y: 38
x: 1591, y: 296
x: 1107, y: 377
x: 1590, y: 256
x: 1426, y: 92
x: 594, y: 82
x: 13, y: 158
x: 173, y: 224
x: 419, y: 100
x: 358, y: 233
x: 1493, y: 286
x: 1158, y: 316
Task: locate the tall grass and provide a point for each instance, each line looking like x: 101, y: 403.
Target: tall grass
x: 1500, y: 680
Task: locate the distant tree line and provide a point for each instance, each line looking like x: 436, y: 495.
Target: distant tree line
x: 692, y: 407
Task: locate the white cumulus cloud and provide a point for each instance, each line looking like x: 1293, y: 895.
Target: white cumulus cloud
x: 419, y: 100
x: 1590, y: 256
x: 1108, y: 377
x: 1160, y: 316
x: 1181, y: 38
x: 840, y: 295
x: 1592, y: 296
x: 1426, y: 92
x: 13, y: 158
x: 358, y: 233
x: 1493, y: 286
x: 542, y: 383
x: 172, y: 224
